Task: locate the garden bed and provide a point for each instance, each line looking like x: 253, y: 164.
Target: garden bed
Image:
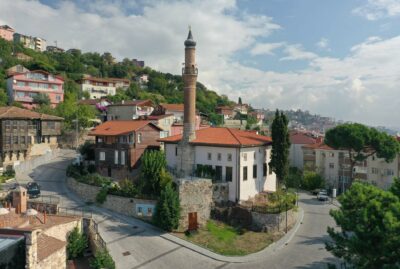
x: 227, y: 240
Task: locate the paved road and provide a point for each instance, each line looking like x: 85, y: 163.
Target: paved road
x: 134, y: 244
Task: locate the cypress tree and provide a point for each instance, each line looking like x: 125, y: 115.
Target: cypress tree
x: 167, y: 209
x: 280, y: 147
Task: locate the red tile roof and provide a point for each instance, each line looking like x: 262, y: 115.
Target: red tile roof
x: 302, y: 138
x: 12, y: 112
x: 157, y: 117
x: 320, y: 145
x: 173, y: 107
x: 223, y: 136
x: 119, y: 127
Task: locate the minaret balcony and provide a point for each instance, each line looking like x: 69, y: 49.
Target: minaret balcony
x: 189, y: 71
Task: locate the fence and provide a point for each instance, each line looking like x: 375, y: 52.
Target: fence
x: 95, y: 236
x: 46, y: 199
x: 28, y: 165
x: 77, y: 212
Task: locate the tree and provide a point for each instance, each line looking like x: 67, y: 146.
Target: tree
x: 77, y: 243
x: 369, y: 235
x: 102, y: 259
x: 395, y: 188
x: 167, y: 212
x: 154, y: 176
x: 362, y: 142
x: 240, y: 101
x: 41, y: 99
x: 280, y: 147
x: 312, y: 181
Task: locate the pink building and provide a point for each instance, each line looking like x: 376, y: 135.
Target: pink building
x: 7, y: 32
x: 22, y: 87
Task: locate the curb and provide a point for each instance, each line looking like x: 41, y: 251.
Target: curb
x: 270, y: 249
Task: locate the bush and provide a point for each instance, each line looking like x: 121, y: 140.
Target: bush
x: 167, y: 212
x: 102, y: 260
x: 95, y: 180
x: 154, y: 176
x: 87, y: 150
x: 124, y: 188
x: 312, y: 181
x: 294, y: 178
x: 101, y: 196
x: 9, y: 173
x: 77, y: 244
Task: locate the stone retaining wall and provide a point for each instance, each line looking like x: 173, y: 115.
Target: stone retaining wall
x: 220, y: 192
x: 273, y: 222
x: 123, y: 205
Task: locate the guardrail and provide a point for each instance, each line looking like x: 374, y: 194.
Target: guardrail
x: 77, y: 212
x: 46, y: 199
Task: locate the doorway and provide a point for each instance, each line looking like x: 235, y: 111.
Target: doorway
x: 193, y: 225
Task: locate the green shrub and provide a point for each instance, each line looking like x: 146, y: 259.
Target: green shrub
x: 9, y: 173
x: 102, y: 195
x: 102, y: 260
x: 294, y: 178
x: 87, y: 150
x: 167, y: 212
x: 154, y: 176
x: 77, y: 244
x: 95, y: 180
x: 124, y: 188
x: 312, y: 181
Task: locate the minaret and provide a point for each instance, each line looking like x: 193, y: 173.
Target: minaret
x: 189, y: 74
x: 185, y: 162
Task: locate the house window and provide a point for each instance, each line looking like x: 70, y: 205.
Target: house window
x: 149, y: 211
x: 22, y: 139
x: 270, y: 171
x: 29, y: 140
x: 229, y: 157
x: 139, y: 209
x: 244, y: 173
x: 100, y: 140
x: 139, y: 138
x: 116, y: 157
x: 331, y: 165
x: 264, y: 169
x: 375, y: 170
x: 245, y: 157
x: 218, y: 173
x: 255, y: 155
x: 219, y: 156
x: 176, y: 151
x: 331, y: 154
x: 209, y: 156
x: 228, y: 174
x: 15, y: 139
x: 389, y: 172
x: 255, y: 171
x: 102, y: 156
x: 122, y: 157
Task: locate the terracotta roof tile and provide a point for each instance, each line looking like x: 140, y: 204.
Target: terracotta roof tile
x: 320, y: 145
x: 223, y: 136
x: 12, y: 112
x: 119, y: 127
x: 134, y: 103
x: 173, y: 107
x: 302, y: 138
x: 47, y: 245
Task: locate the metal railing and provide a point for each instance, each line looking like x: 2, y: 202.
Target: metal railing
x: 77, y: 212
x: 46, y: 199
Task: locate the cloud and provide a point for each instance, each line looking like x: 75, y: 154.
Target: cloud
x: 323, y: 43
x: 297, y: 52
x: 266, y: 48
x: 378, y: 9
x: 361, y: 86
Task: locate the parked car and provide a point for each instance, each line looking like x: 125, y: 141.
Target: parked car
x: 78, y: 160
x: 33, y: 189
x: 322, y: 196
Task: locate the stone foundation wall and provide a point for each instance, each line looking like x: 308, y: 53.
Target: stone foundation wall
x: 273, y: 222
x: 62, y: 231
x: 195, y: 195
x: 123, y: 205
x: 55, y: 260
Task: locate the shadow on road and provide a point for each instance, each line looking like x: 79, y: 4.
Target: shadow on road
x: 320, y: 264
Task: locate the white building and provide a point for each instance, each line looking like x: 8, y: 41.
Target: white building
x: 237, y: 157
x: 98, y: 87
x: 297, y: 141
x: 129, y: 110
x: 334, y: 166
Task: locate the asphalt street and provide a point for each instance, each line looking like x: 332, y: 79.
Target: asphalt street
x: 135, y: 244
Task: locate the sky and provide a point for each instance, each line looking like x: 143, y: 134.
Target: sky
x: 337, y: 58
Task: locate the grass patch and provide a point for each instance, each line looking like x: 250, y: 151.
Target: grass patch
x: 226, y: 240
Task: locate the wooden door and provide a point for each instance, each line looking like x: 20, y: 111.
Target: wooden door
x: 193, y: 221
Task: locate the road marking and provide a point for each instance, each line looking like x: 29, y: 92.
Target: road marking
x: 156, y: 258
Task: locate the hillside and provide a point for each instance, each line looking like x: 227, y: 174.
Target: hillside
x: 73, y: 64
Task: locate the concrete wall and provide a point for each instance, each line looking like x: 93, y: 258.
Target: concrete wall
x: 85, y: 191
x: 296, y: 156
x: 27, y: 165
x: 273, y: 222
x: 220, y: 192
x: 62, y: 231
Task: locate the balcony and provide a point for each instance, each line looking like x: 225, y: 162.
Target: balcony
x: 23, y: 99
x: 190, y: 70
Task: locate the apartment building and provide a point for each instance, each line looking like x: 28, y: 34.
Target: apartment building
x: 101, y: 87
x: 6, y: 32
x: 23, y: 87
x: 120, y: 144
x: 334, y: 166
x: 30, y: 42
x: 130, y: 110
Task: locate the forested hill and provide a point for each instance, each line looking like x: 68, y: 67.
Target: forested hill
x: 73, y: 64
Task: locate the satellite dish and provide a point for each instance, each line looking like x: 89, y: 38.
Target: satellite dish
x: 31, y: 212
